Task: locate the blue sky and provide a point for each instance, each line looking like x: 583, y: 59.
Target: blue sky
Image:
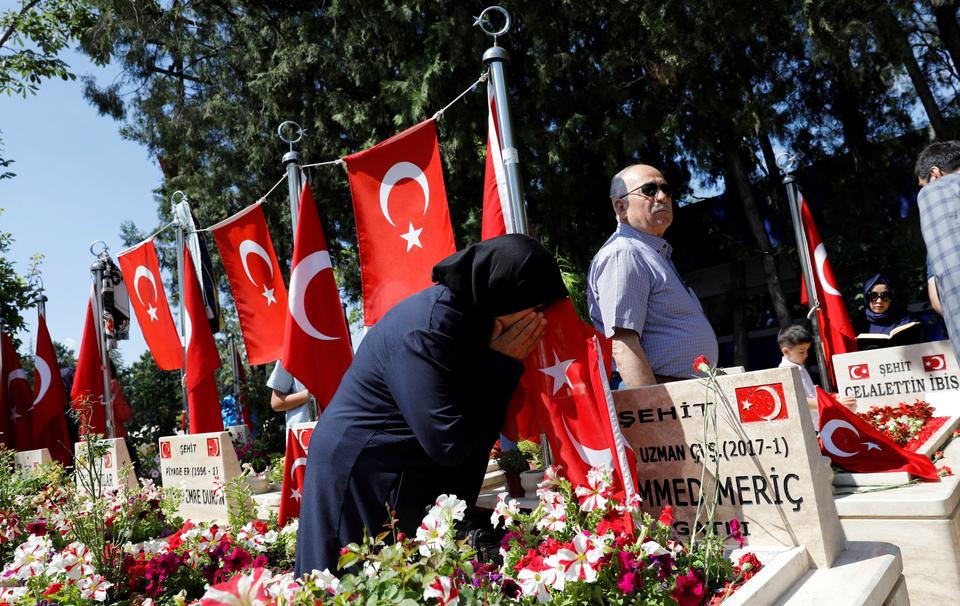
x: 77, y: 181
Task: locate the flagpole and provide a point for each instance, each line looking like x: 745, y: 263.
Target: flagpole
x: 495, y: 57
x: 291, y: 162
x: 97, y: 268
x: 231, y: 341
x: 178, y: 226
x: 793, y: 199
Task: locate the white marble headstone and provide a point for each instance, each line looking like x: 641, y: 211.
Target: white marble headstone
x: 762, y: 462
x: 31, y: 459
x: 200, y: 465
x: 888, y: 376
x: 110, y: 466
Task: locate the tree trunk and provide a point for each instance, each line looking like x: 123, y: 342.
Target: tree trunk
x: 946, y: 16
x: 904, y: 55
x: 777, y: 194
x: 741, y: 337
x: 742, y: 183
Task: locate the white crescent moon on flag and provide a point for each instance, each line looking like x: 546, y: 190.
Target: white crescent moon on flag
x: 300, y: 462
x: 777, y: 402
x: 143, y: 272
x: 590, y: 456
x: 44, y: 371
x: 826, y: 434
x: 300, y: 278
x: 820, y: 256
x: 857, y: 372
x: 937, y: 363
x: 16, y: 374
x: 402, y: 170
x: 304, y: 432
x: 249, y: 246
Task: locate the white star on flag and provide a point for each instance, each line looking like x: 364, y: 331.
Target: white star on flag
x: 558, y: 372
x: 747, y: 404
x: 152, y: 312
x: 14, y: 416
x: 412, y: 237
x: 871, y: 446
x: 268, y: 295
x: 295, y: 494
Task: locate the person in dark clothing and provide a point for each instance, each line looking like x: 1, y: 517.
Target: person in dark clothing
x: 425, y: 398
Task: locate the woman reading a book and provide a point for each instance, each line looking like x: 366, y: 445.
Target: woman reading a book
x: 885, y: 324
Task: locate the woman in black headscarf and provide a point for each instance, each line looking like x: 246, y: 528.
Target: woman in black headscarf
x: 425, y: 398
x: 883, y: 314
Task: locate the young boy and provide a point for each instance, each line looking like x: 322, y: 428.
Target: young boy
x: 794, y: 342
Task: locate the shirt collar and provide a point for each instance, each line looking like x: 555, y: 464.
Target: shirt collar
x: 655, y: 242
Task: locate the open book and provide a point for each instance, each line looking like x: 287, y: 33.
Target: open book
x: 905, y: 334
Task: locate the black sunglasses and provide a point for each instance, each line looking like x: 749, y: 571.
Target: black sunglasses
x: 650, y: 190
x: 879, y: 296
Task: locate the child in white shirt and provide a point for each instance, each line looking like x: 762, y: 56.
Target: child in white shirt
x: 794, y: 342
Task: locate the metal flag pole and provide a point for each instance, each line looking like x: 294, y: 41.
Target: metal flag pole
x: 495, y: 57
x: 178, y: 226
x: 793, y: 199
x: 291, y: 162
x: 234, y: 361
x: 98, y: 268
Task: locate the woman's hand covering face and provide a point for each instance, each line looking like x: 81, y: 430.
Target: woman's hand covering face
x: 516, y: 335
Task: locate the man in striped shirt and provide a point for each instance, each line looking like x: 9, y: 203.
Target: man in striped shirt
x: 938, y: 173
x: 635, y: 294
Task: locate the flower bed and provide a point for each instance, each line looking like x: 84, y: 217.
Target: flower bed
x: 58, y: 546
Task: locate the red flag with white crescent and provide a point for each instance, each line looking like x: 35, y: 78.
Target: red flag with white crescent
x: 203, y: 358
x: 835, y: 327
x: 316, y: 343
x: 15, y: 398
x: 294, y: 471
x: 86, y: 394
x: 496, y: 204
x: 255, y: 281
x: 403, y: 222
x: 141, y: 274
x: 857, y: 446
x: 48, y: 421
x: 568, y: 374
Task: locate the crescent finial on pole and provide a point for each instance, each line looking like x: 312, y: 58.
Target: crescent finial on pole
x: 485, y: 22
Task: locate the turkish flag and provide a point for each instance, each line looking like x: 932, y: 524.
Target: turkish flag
x: 836, y: 330
x: 255, y: 280
x: 497, y: 214
x: 403, y: 223
x: 568, y: 376
x: 15, y: 399
x: 141, y: 274
x: 87, y: 391
x: 294, y: 470
x: 934, y: 363
x: 759, y: 403
x: 48, y: 420
x: 316, y: 341
x: 203, y: 358
x: 857, y: 446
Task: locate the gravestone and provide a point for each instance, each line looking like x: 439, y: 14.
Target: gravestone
x: 200, y: 465
x: 888, y: 376
x: 108, y: 467
x: 240, y: 434
x: 31, y: 459
x: 763, y: 460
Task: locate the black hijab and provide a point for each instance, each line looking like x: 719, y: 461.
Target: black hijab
x: 502, y: 275
x: 888, y: 320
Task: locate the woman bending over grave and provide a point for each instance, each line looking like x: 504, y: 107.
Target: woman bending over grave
x: 425, y: 398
